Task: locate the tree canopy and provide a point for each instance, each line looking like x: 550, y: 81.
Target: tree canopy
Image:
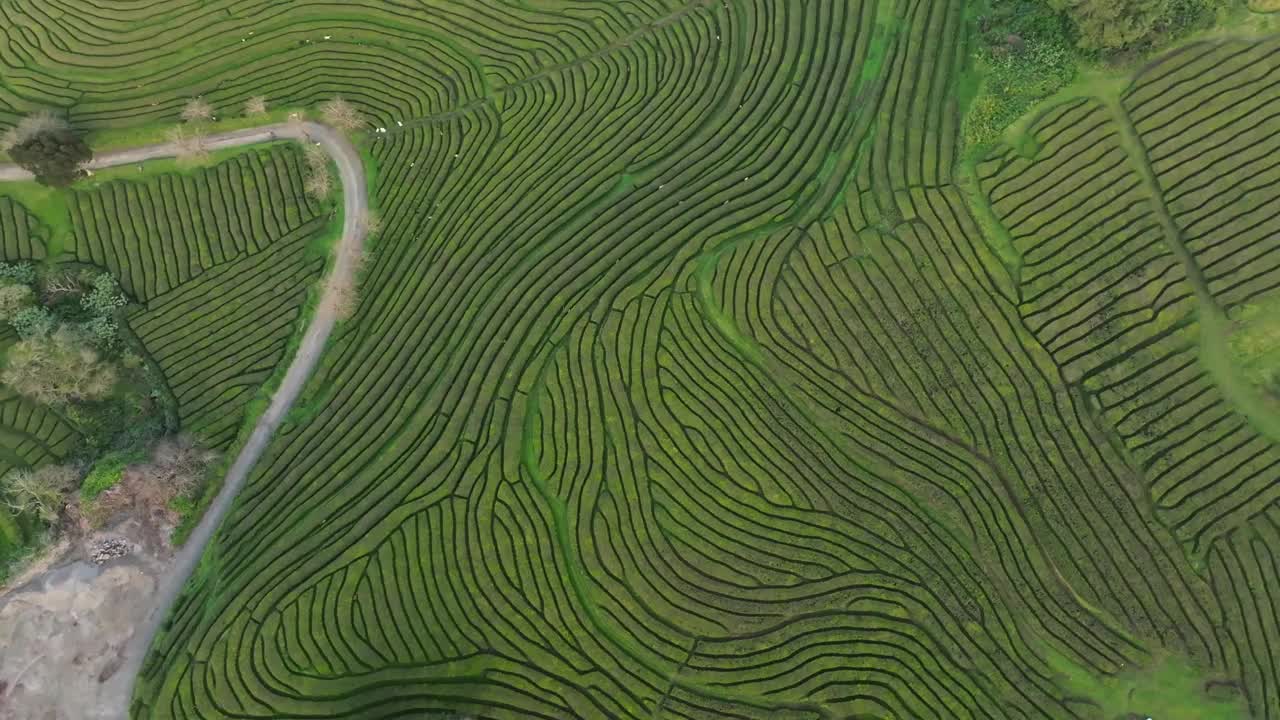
x: 55, y: 156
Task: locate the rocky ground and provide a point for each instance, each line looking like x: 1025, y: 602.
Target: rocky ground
x: 62, y: 630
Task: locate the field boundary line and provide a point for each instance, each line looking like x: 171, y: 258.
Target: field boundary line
x: 342, y: 272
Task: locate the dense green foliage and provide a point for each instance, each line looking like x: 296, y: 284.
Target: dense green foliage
x: 1135, y: 25
x: 56, y: 367
x: 1025, y: 52
x: 54, y: 156
x: 34, y: 321
x: 13, y: 300
x: 17, y: 273
x: 58, y: 359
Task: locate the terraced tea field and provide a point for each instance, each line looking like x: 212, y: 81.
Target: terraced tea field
x: 691, y: 377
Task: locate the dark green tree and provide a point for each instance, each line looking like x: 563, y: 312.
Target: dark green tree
x: 54, y: 156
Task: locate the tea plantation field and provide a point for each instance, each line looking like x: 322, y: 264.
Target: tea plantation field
x: 697, y: 370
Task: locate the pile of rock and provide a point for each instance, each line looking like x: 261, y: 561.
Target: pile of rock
x: 109, y: 549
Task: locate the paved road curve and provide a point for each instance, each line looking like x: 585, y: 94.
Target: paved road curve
x: 355, y: 205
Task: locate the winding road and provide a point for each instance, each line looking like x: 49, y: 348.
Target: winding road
x: 341, y: 275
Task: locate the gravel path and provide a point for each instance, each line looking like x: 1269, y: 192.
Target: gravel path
x: 355, y: 206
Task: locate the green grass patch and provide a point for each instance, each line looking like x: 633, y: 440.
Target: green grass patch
x: 1241, y: 355
x: 993, y: 231
x: 1168, y: 687
x: 107, y: 471
x: 49, y: 206
x: 1255, y: 343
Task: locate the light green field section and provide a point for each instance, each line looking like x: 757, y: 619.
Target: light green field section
x: 1255, y: 343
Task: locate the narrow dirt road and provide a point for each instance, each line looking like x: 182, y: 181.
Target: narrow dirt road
x: 355, y: 206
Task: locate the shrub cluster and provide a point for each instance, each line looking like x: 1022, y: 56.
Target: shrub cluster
x: 1026, y: 50
x: 1112, y: 26
x: 59, y: 358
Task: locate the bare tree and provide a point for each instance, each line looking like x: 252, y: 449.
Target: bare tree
x: 255, y: 106
x: 341, y: 114
x: 341, y: 300
x: 189, y: 144
x: 178, y: 463
x: 197, y: 109
x: 318, y: 183
x: 354, y: 256
x: 64, y: 284
x: 315, y: 156
x: 58, y: 368
x: 343, y: 296
x: 38, y: 492
x: 30, y: 126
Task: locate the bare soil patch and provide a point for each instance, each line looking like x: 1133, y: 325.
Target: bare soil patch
x: 65, y: 623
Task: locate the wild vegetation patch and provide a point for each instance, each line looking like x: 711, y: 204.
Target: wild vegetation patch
x: 1024, y: 51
